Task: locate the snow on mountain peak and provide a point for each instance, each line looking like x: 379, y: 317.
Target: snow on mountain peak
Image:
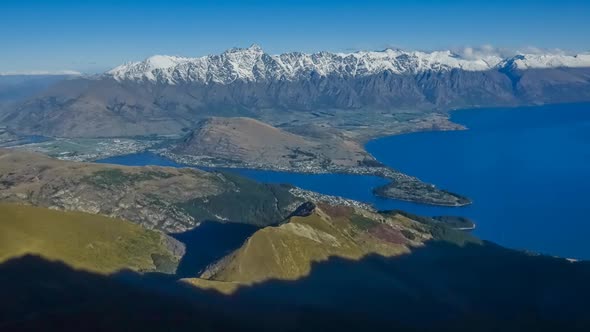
x: 530, y: 61
x: 162, y: 61
x: 252, y: 65
x: 253, y: 49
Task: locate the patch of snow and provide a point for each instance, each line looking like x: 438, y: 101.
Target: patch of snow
x: 528, y: 61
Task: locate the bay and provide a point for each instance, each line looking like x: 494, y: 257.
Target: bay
x: 527, y: 171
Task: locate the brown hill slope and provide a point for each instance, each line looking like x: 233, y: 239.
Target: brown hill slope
x: 252, y: 142
x: 94, y: 108
x: 102, y: 106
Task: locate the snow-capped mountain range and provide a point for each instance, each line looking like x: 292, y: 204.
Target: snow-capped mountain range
x: 253, y: 65
x: 166, y: 94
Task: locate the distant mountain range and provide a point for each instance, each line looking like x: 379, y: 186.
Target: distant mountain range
x: 15, y: 87
x: 165, y: 94
x: 253, y: 65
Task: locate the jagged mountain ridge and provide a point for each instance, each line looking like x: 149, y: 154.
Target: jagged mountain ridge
x: 168, y: 95
x: 254, y: 65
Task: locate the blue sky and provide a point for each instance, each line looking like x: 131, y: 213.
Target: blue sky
x: 95, y: 35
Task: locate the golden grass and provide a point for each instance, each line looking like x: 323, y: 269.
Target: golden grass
x: 287, y: 252
x: 85, y: 241
x: 219, y: 286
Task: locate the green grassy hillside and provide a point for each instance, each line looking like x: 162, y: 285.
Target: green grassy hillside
x: 84, y: 241
x: 287, y: 252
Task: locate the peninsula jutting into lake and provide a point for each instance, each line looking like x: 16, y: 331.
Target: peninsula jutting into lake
x: 413, y: 166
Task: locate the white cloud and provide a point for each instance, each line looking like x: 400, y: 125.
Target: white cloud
x: 478, y: 52
x: 538, y: 50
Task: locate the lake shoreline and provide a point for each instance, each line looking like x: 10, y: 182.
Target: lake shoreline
x: 498, y: 163
x: 406, y: 185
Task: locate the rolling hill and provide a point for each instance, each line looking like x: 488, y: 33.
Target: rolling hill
x: 251, y: 142
x: 85, y: 241
x: 162, y: 198
x: 288, y: 251
x: 327, y: 268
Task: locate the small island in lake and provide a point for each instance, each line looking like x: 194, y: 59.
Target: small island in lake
x: 413, y: 190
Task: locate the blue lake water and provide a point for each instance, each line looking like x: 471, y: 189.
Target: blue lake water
x: 526, y: 169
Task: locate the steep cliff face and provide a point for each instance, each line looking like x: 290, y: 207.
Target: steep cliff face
x: 168, y: 199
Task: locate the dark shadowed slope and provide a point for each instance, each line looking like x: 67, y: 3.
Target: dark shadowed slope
x: 41, y: 295
x: 441, y: 287
x: 208, y: 243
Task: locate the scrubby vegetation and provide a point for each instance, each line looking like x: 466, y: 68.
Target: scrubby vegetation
x: 361, y: 222
x: 116, y: 177
x: 414, y: 190
x: 246, y: 201
x: 439, y: 229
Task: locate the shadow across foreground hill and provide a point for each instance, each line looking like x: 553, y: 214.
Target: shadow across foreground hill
x: 50, y: 296
x: 208, y: 243
x: 440, y: 287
